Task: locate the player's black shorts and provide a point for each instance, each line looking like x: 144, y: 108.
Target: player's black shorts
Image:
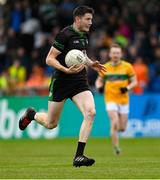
x: 64, y: 89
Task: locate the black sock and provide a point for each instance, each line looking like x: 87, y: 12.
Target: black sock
x: 80, y: 148
x: 31, y: 115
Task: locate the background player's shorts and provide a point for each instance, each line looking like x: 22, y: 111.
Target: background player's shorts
x: 63, y: 89
x: 122, y: 109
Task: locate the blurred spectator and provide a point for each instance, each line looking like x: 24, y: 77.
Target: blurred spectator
x: 43, y: 51
x: 28, y: 29
x: 124, y: 28
x: 13, y: 41
x: 16, y: 75
x: 23, y: 58
x: 37, y: 78
x: 141, y: 70
x: 154, y: 69
x: 103, y: 55
x: 27, y: 10
x: 16, y: 16
x: 47, y: 15
x: 38, y: 82
x: 3, y: 83
x: 65, y: 11
x: 3, y: 51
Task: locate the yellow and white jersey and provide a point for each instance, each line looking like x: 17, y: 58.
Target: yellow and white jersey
x: 117, y: 76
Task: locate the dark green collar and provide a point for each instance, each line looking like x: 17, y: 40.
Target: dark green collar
x: 76, y: 31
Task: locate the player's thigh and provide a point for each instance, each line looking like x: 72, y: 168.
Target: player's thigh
x: 113, y: 116
x: 85, y: 102
x: 123, y: 114
x: 112, y: 111
x: 54, y: 110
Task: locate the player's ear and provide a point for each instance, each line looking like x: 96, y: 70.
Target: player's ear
x: 77, y: 19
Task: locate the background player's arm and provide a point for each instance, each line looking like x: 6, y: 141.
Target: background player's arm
x: 99, y: 84
x: 133, y: 82
x: 52, y: 61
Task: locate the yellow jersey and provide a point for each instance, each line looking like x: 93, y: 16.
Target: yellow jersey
x: 117, y: 76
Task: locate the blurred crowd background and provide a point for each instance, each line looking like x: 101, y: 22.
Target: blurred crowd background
x: 28, y: 29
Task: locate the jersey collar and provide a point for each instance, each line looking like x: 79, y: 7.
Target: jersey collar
x: 76, y: 31
x: 115, y: 64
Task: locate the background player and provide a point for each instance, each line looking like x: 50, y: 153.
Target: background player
x: 70, y: 82
x: 118, y: 80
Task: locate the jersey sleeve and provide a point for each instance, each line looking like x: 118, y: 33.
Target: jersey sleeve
x: 131, y: 71
x: 60, y: 41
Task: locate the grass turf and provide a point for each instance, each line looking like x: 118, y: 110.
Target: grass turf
x: 52, y: 159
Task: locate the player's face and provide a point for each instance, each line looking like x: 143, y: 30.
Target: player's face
x: 115, y: 54
x: 85, y: 22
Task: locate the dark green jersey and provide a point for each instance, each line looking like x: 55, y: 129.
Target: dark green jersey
x: 65, y: 41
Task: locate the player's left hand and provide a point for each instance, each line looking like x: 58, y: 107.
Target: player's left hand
x: 123, y: 90
x: 98, y: 67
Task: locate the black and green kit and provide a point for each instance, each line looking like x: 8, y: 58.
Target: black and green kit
x: 64, y: 85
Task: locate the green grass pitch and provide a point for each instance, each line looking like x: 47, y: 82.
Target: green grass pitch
x: 52, y: 159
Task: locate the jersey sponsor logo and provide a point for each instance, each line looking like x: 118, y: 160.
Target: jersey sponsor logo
x: 9, y: 119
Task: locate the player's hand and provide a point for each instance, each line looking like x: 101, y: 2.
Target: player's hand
x: 123, y: 90
x: 74, y: 69
x: 98, y: 67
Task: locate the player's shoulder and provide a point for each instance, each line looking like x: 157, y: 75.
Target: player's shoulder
x: 66, y: 31
x: 107, y: 64
x: 126, y: 63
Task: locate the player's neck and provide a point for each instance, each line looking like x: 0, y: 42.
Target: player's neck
x: 74, y: 26
x: 115, y: 63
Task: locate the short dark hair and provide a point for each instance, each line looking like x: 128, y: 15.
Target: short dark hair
x: 82, y: 10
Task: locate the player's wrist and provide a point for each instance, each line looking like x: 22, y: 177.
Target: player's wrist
x: 128, y: 88
x: 64, y: 69
x: 88, y: 62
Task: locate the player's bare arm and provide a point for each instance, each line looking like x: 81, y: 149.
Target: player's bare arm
x: 133, y: 83
x: 99, y: 82
x: 52, y: 61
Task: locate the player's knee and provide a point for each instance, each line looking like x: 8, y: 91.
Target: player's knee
x: 114, y: 126
x: 90, y: 114
x: 122, y: 129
